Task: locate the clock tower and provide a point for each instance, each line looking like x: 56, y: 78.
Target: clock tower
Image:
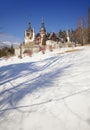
x: 29, y: 34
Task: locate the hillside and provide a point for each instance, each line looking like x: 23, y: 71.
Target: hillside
x: 46, y: 91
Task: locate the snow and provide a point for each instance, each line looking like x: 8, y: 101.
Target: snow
x: 48, y: 91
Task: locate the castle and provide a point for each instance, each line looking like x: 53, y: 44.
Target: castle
x: 31, y: 38
x: 35, y: 43
x: 32, y: 42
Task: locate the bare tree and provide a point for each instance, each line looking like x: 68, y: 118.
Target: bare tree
x: 81, y: 32
x: 88, y: 25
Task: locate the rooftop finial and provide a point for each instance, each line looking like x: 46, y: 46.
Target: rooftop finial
x: 29, y: 25
x: 42, y: 19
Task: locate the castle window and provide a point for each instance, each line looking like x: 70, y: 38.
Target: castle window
x: 27, y: 34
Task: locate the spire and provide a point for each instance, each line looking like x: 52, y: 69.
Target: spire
x: 42, y: 22
x: 29, y: 25
x: 42, y: 25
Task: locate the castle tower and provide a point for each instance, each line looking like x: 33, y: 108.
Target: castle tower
x: 42, y: 31
x: 29, y: 34
x: 68, y: 38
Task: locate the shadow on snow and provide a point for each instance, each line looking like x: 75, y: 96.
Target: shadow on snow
x: 11, y: 97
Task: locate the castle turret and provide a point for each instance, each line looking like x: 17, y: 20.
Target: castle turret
x: 29, y: 34
x: 68, y: 38
x: 42, y: 31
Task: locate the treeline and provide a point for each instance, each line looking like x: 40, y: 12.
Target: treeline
x: 7, y: 51
x: 79, y: 35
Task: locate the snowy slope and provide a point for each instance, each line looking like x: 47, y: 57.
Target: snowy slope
x: 46, y: 92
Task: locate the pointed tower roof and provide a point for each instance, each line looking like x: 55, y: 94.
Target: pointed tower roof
x: 42, y: 25
x: 29, y: 26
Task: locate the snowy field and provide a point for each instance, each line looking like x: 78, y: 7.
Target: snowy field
x: 46, y: 91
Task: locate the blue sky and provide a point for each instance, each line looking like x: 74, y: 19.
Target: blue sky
x: 58, y: 14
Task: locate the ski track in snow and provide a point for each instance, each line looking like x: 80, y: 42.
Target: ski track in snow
x: 50, y: 88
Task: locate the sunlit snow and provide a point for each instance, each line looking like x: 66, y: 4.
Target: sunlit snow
x: 48, y: 91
